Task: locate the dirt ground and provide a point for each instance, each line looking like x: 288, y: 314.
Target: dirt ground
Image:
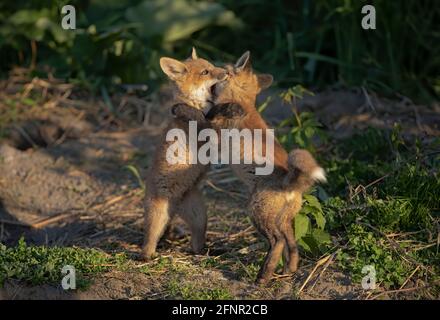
x: 64, y: 182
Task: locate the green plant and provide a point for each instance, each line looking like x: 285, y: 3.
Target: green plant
x: 365, y: 248
x: 114, y: 42
x: 312, y: 42
x: 309, y: 226
x: 388, y: 218
x: 303, y: 128
x: 39, y: 264
x: 368, y: 145
x: 179, y: 290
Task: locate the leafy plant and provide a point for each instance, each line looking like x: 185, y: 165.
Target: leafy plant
x: 391, y: 212
x: 115, y: 41
x: 312, y: 42
x: 309, y: 226
x: 303, y: 128
x: 176, y: 20
x: 365, y: 248
x: 39, y: 264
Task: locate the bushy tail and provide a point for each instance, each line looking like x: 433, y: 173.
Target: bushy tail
x: 304, y: 171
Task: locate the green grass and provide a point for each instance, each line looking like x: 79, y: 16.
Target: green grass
x: 366, y: 248
x: 179, y: 282
x: 186, y: 291
x: 382, y: 202
x: 406, y: 202
x: 39, y: 264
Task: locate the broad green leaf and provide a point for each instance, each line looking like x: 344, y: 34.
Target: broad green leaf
x: 309, y: 244
x: 304, y: 245
x: 312, y: 201
x: 178, y: 19
x: 321, y: 236
x: 309, y: 132
x: 302, y: 224
x: 319, y: 218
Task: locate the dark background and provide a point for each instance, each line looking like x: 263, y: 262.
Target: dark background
x: 315, y: 43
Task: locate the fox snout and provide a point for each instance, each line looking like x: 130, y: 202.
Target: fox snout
x: 220, y: 74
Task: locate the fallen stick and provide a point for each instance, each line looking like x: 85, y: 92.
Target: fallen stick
x: 232, y: 194
x: 372, y: 291
x: 410, y: 276
x: 114, y: 199
x: 324, y: 268
x: 318, y: 264
x: 42, y: 223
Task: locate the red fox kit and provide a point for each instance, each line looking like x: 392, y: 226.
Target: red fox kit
x: 172, y: 188
x: 275, y: 198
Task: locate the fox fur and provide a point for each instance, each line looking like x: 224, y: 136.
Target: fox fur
x: 276, y: 198
x: 173, y: 188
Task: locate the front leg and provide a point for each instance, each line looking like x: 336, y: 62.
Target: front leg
x: 229, y: 111
x: 187, y: 113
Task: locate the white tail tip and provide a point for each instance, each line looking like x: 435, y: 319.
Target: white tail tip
x: 319, y: 175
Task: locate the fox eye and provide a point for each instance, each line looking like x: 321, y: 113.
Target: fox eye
x: 204, y: 72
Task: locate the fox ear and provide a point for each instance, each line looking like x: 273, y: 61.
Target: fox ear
x: 194, y: 54
x: 243, y: 62
x: 264, y: 80
x: 173, y: 69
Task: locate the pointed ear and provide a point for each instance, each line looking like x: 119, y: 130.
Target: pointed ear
x: 194, y: 54
x: 173, y: 69
x: 243, y: 62
x: 264, y: 81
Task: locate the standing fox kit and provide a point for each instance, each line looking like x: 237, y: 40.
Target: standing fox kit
x: 172, y: 188
x: 276, y: 198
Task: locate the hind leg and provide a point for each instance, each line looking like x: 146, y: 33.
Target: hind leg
x: 156, y: 218
x: 286, y: 259
x: 271, y: 260
x: 193, y: 212
x: 289, y: 236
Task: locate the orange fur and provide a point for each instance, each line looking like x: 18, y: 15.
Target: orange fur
x: 275, y: 198
x: 172, y: 189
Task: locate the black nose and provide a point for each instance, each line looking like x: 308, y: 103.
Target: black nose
x: 222, y: 76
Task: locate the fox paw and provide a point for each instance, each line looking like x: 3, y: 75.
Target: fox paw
x: 186, y: 113
x: 148, y: 256
x: 260, y: 281
x: 226, y: 110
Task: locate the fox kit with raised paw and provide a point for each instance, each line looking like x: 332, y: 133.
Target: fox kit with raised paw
x: 172, y: 188
x: 275, y: 198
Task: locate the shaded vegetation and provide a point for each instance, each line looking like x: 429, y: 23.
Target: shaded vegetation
x: 311, y: 42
